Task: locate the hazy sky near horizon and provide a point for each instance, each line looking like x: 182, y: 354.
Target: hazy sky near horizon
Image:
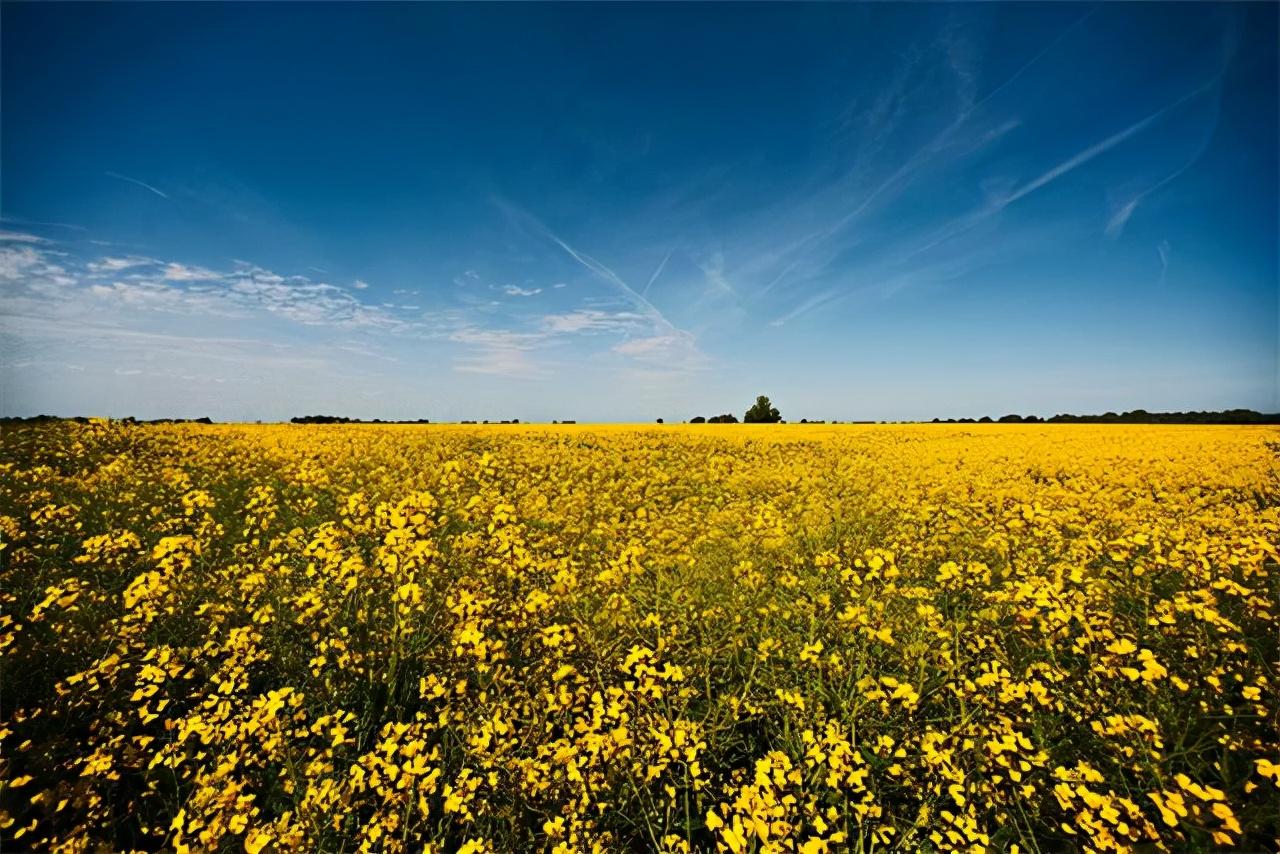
x: 624, y: 212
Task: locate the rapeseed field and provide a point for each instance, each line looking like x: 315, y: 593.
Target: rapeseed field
x: 683, y: 638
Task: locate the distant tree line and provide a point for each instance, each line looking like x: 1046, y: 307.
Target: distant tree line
x: 80, y: 419
x: 1136, y: 416
x: 761, y: 412
x: 342, y: 419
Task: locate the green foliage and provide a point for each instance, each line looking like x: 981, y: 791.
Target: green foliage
x: 762, y: 412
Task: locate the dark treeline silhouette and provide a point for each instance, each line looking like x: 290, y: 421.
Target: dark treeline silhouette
x: 80, y: 419
x: 714, y: 419
x: 1136, y: 416
x: 41, y: 419
x: 342, y: 419
x: 762, y: 412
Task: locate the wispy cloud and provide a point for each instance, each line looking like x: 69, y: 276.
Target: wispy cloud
x: 996, y: 203
x: 662, y: 343
x: 809, y: 304
x: 1102, y: 147
x: 591, y: 321
x: 39, y: 326
x: 27, y: 264
x: 184, y: 273
x: 515, y: 291
x: 1034, y: 60
x: 499, y: 362
x: 19, y: 237
x: 496, y: 352
x: 600, y: 270
x: 973, y: 129
x: 17, y: 220
x: 143, y: 284
x: 523, y: 351
x: 366, y: 350
x: 304, y: 301
x: 157, y: 296
x: 669, y: 346
x: 608, y: 275
x: 136, y: 182
x: 657, y: 271
x: 677, y: 349
x: 128, y: 294
x: 810, y: 254
x: 1120, y: 218
x: 713, y: 271
x: 109, y: 264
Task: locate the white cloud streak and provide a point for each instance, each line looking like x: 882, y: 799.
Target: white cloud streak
x: 1118, y: 220
x: 108, y: 265
x: 600, y: 270
x: 136, y: 182
x: 1104, y: 146
x: 19, y: 237
x: 184, y: 273
x: 656, y: 273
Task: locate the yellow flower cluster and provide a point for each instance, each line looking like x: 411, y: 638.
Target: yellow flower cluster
x: 733, y: 638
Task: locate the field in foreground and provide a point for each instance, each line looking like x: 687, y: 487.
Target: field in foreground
x: 682, y: 638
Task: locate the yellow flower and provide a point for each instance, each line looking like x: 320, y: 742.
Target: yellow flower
x: 257, y: 840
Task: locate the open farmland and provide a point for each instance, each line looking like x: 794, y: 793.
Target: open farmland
x: 681, y: 638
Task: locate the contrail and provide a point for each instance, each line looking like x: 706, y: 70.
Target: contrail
x: 656, y: 273
x: 1026, y: 65
x: 922, y: 155
x: 957, y: 227
x: 142, y: 184
x: 1106, y: 145
x: 1117, y: 222
x: 593, y: 265
x: 609, y: 276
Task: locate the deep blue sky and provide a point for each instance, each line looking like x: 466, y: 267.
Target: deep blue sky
x: 621, y: 212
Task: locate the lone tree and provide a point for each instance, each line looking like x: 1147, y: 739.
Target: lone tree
x: 762, y: 413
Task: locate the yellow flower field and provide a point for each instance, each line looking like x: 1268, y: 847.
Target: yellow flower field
x: 737, y: 638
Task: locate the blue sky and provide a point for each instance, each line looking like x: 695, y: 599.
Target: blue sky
x: 623, y: 212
